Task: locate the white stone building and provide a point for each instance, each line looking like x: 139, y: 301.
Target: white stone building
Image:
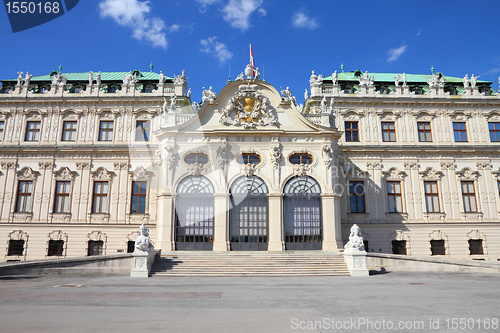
x: 87, y: 157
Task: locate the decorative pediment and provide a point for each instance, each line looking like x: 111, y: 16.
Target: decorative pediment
x: 57, y: 235
x: 399, y: 235
x: 431, y: 174
x: 64, y: 174
x: 102, y: 174
x: 248, y: 108
x: 394, y: 174
x: 352, y: 172
x: 97, y: 236
x: 467, y: 174
x: 475, y: 234
x: 424, y: 116
x: 27, y: 173
x: 18, y: 235
x: 438, y: 235
x: 141, y: 174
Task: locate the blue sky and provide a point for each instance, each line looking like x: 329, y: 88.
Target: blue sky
x: 289, y: 39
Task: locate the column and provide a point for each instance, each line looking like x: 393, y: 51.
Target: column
x: 220, y: 222
x: 275, y: 222
x: 332, y: 238
x: 8, y: 191
x: 164, y: 222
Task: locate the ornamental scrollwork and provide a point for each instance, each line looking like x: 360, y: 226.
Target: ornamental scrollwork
x: 251, y: 108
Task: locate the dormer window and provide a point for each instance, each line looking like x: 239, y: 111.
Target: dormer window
x: 248, y: 158
x: 196, y: 158
x: 301, y: 158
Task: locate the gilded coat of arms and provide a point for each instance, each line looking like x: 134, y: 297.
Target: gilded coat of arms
x: 251, y: 109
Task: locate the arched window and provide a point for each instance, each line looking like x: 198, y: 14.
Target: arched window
x: 302, y: 214
x: 248, y: 226
x: 194, y: 214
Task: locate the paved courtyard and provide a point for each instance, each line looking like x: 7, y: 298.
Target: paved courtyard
x: 397, y: 302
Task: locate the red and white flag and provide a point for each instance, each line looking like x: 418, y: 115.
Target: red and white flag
x: 252, y: 61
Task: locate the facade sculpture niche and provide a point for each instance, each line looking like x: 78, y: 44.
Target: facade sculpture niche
x: 251, y: 108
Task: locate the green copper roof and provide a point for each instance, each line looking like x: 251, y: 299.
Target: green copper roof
x: 389, y: 77
x: 105, y: 76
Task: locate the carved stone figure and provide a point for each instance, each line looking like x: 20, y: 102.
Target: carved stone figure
x: 143, y: 241
x: 313, y: 78
x: 188, y: 94
x: 327, y: 153
x: 396, y: 80
x: 466, y: 81
x: 404, y: 80
x: 208, y: 95
x: 165, y: 106
x: 306, y: 95
x: 240, y: 76
x: 366, y: 79
x: 473, y: 80
x: 98, y: 78
x: 435, y: 81
x: 335, y: 78
x: 287, y: 94
x: 180, y: 79
x: 355, y: 239
x: 27, y: 79
x: 170, y: 157
x: 161, y: 78
x: 19, y: 78
x: 173, y: 103
x: 257, y: 74
x: 332, y: 104
x: 91, y: 78
x: 323, y: 104
x: 275, y: 156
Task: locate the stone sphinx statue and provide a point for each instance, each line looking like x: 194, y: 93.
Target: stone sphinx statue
x: 143, y: 242
x: 355, y: 239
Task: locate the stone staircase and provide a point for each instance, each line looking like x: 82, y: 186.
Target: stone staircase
x: 251, y: 264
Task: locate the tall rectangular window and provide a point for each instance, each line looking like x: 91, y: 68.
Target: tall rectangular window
x: 357, y: 196
x: 388, y: 132
x: 494, y: 132
x: 138, y: 197
x: 142, y: 131
x: 100, y: 197
x: 399, y: 247
x: 2, y: 126
x: 16, y: 247
x: 424, y: 132
x: 476, y: 247
x: 95, y: 248
x: 33, y: 131
x: 106, y: 130
x: 69, y: 131
x: 460, y: 132
x: 351, y: 131
x: 437, y: 247
x: 432, y: 197
x: 469, y: 196
x: 56, y: 248
x: 394, y: 197
x: 61, y: 203
x: 24, y: 196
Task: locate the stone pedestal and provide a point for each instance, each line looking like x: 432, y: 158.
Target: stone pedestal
x: 142, y: 263
x: 356, y: 262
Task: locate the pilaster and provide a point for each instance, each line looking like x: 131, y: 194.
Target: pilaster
x: 220, y: 222
x: 276, y: 222
x: 332, y: 237
x: 164, y: 222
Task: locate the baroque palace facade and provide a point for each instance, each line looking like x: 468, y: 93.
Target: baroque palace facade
x: 85, y: 158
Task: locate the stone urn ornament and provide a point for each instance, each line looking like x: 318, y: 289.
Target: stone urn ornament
x: 249, y: 71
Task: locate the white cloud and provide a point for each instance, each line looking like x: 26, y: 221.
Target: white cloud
x: 302, y: 21
x: 237, y: 12
x: 134, y: 14
x: 204, y: 4
x: 219, y: 50
x: 394, y: 54
x: 419, y: 32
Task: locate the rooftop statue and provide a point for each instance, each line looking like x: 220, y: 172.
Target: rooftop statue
x: 335, y: 78
x: 323, y: 104
x: 19, y: 78
x: 173, y: 103
x: 435, y: 81
x: 404, y: 79
x: 208, y: 95
x: 473, y: 80
x: 355, y: 239
x: 313, y: 77
x: 396, y: 80
x: 306, y: 95
x: 188, y: 94
x: 366, y: 79
x: 143, y: 242
x: 180, y: 79
x: 27, y: 79
x: 257, y: 74
x: 91, y: 78
x: 248, y: 71
x: 98, y: 78
x: 161, y: 78
x: 287, y: 94
x: 240, y: 76
x: 466, y: 81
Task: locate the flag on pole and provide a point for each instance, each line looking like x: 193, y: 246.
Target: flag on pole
x: 252, y: 61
